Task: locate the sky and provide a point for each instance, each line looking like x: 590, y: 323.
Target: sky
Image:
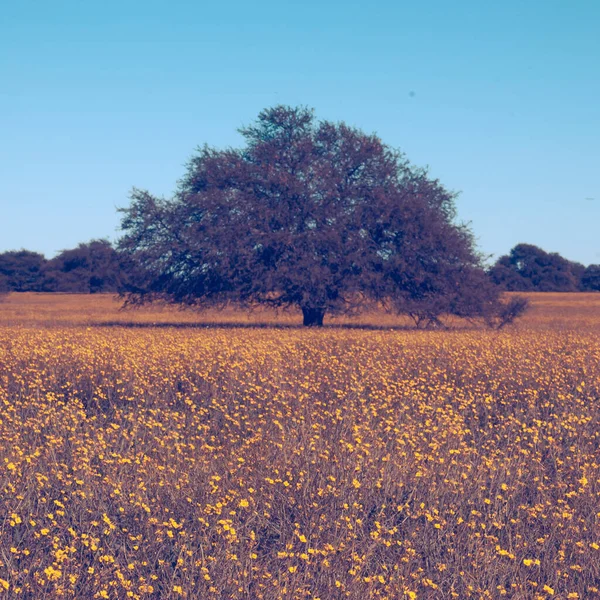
x: 501, y: 100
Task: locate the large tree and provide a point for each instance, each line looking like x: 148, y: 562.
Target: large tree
x: 317, y: 215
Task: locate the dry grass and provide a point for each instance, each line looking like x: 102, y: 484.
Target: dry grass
x: 51, y: 310
x: 284, y: 463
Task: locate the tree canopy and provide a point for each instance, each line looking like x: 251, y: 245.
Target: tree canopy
x: 89, y: 268
x: 21, y: 270
x: 590, y: 279
x: 529, y: 268
x: 317, y: 215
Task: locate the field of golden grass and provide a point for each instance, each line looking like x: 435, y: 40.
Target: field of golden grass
x: 156, y: 454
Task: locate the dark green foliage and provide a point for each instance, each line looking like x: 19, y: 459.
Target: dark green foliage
x: 529, y: 268
x: 89, y: 268
x: 22, y: 271
x: 590, y: 280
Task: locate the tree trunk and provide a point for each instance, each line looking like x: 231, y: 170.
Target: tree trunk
x: 313, y: 317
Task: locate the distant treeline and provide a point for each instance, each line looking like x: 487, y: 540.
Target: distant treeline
x: 528, y: 268
x: 96, y: 266
x: 90, y: 268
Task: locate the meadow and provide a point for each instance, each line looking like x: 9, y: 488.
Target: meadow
x: 166, y: 454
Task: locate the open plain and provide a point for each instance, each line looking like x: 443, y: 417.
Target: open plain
x: 166, y: 454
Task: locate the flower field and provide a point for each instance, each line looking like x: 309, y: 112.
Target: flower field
x: 214, y: 462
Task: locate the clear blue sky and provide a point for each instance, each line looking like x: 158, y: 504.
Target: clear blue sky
x: 500, y: 99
